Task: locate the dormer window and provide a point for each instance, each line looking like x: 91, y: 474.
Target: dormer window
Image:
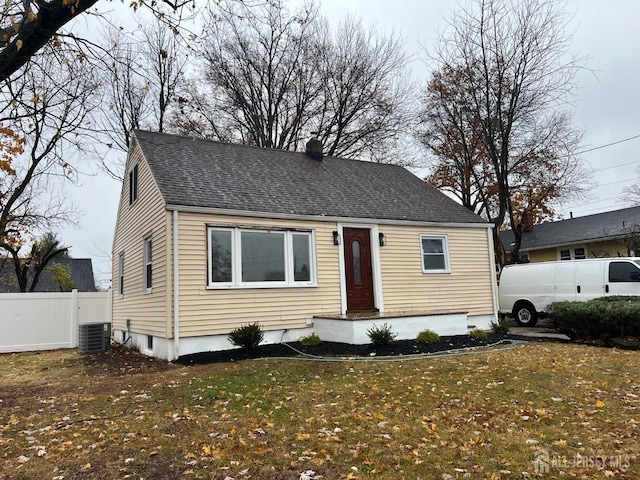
x: 133, y: 184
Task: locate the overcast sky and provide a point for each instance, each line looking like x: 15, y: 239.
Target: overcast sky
x: 606, y: 109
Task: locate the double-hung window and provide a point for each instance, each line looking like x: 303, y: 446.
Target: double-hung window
x: 435, y: 254
x: 148, y: 265
x: 255, y: 257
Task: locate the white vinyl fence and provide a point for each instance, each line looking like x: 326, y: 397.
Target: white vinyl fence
x: 46, y: 321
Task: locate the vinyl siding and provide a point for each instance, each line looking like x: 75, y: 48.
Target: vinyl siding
x: 467, y: 288
x: 545, y: 255
x: 146, y: 216
x: 610, y: 248
x: 205, y: 311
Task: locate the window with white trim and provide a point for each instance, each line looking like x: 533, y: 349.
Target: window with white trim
x: 245, y: 257
x: 121, y: 275
x: 148, y: 265
x: 435, y: 253
x: 575, y: 253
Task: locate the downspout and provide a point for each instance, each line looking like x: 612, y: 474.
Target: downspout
x: 176, y: 309
x: 492, y: 265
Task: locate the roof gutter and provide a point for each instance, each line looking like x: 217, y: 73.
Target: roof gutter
x: 176, y: 297
x: 323, y: 218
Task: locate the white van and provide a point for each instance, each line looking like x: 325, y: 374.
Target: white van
x: 527, y: 289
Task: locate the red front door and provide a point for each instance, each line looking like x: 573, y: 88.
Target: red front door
x: 358, y: 271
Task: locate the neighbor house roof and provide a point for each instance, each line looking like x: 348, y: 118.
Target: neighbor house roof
x: 81, y: 276
x: 212, y: 175
x: 590, y: 228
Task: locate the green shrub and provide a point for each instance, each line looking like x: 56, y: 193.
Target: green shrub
x: 501, y: 327
x: 617, y: 298
x: 247, y: 336
x: 607, y: 317
x: 428, y: 336
x: 311, y: 340
x: 381, y: 335
x: 478, y: 334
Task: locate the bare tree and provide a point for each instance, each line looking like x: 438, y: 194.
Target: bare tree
x: 273, y: 77
x: 257, y: 61
x: 26, y: 26
x: 631, y: 193
x: 366, y: 90
x: 496, y: 110
x: 141, y: 81
x: 44, y: 111
x: 165, y: 61
x: 125, y: 91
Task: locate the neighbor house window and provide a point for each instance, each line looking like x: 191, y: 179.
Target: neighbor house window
x: 576, y: 253
x: 148, y: 265
x: 121, y: 275
x: 435, y: 253
x: 255, y: 257
x: 133, y: 184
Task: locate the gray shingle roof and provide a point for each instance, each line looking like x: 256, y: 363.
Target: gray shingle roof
x: 599, y: 226
x: 81, y: 275
x: 201, y: 173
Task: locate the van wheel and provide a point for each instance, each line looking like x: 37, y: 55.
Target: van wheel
x: 525, y: 315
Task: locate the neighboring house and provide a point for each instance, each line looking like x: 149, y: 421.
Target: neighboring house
x: 211, y: 236
x: 81, y: 276
x: 608, y: 234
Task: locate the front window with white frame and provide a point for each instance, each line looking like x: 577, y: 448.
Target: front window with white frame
x: 242, y: 257
x: 435, y: 254
x: 572, y: 253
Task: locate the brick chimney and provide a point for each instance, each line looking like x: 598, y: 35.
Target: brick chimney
x: 314, y: 147
x: 527, y: 220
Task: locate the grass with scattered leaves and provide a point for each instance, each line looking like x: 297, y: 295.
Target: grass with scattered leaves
x: 120, y: 415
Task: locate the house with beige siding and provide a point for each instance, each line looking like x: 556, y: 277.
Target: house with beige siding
x: 608, y: 234
x: 212, y: 236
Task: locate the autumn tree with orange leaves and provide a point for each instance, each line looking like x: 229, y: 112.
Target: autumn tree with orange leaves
x: 495, y: 117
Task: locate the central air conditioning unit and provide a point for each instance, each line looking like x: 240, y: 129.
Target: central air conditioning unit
x: 94, y: 337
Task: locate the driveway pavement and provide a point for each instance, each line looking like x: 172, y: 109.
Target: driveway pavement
x: 543, y: 329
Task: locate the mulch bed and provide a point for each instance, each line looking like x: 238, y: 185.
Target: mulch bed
x: 334, y: 349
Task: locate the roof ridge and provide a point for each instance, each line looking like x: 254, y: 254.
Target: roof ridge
x: 595, y: 214
x: 258, y: 148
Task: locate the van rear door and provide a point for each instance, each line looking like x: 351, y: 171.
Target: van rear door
x: 623, y: 278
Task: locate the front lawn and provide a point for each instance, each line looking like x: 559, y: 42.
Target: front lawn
x: 120, y: 415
